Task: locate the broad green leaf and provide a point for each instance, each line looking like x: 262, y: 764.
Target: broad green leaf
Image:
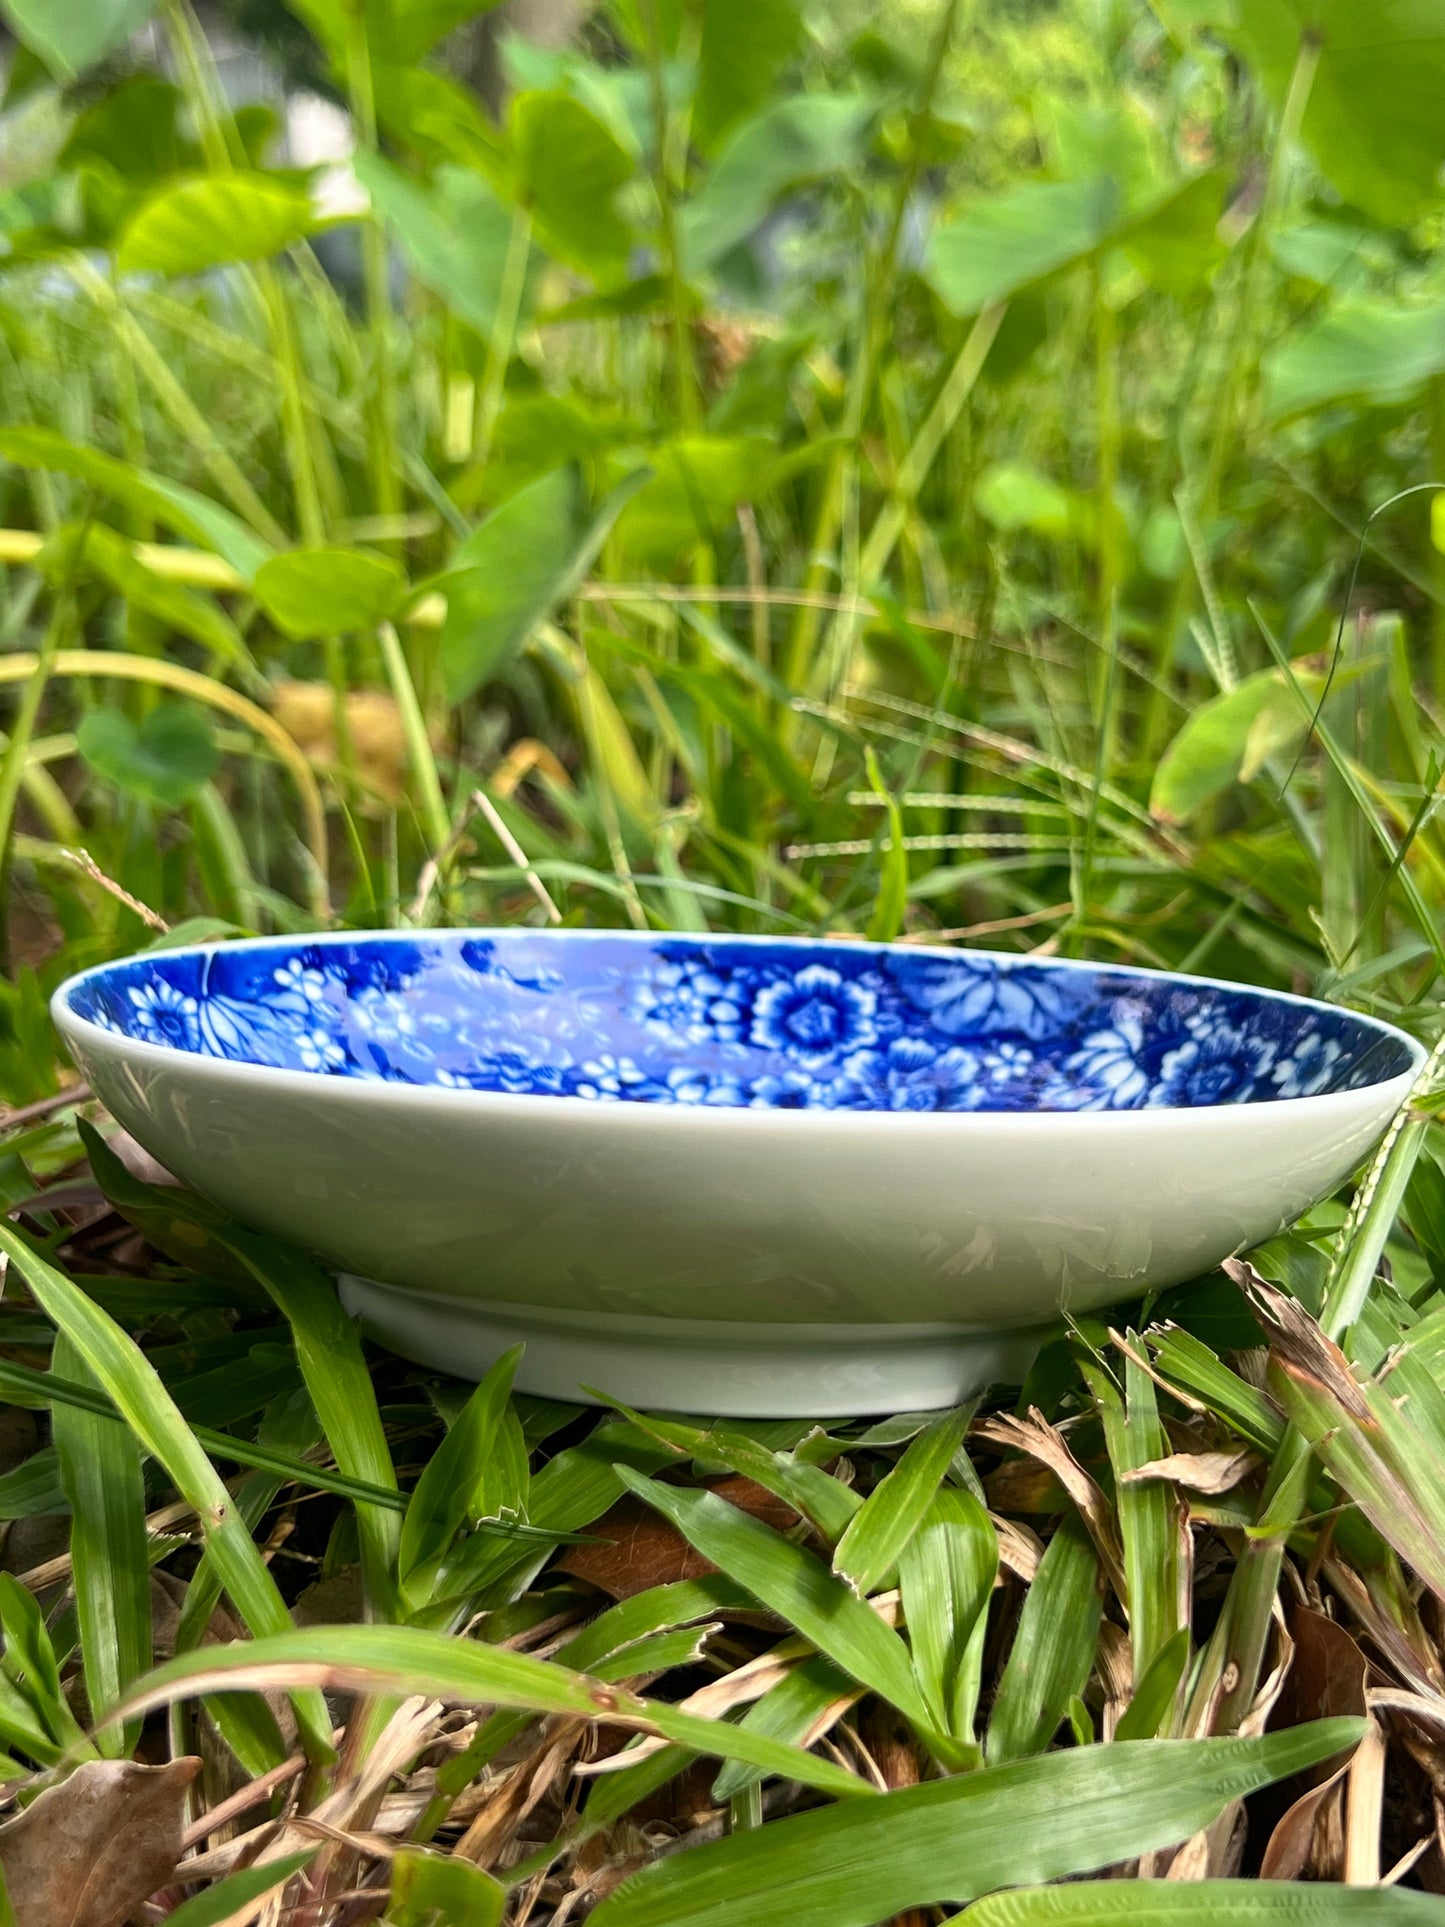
x: 946, y: 1577
x: 71, y: 35
x: 194, y: 516
x: 132, y: 128
x: 1224, y: 738
x: 1365, y: 349
x: 328, y: 592
x: 223, y: 1901
x: 442, y: 1890
x: 743, y: 46
x: 894, y: 1510
x: 163, y: 761
x: 1015, y: 495
x: 692, y: 495
x: 445, y: 1493
x: 1053, y: 1649
x: 399, y: 31
x: 1208, y: 1903
x: 1178, y: 247
x: 793, y: 1583
x: 190, y: 225
x: 453, y: 233
x: 1372, y: 121
x: 953, y: 1840
x: 572, y: 167
x: 804, y: 137
x: 1019, y: 236
x: 403, y: 1660
x: 510, y: 573
x: 132, y: 1383
x: 100, y: 1466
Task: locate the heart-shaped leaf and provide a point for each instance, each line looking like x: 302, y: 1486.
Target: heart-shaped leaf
x: 328, y: 592
x: 192, y: 225
x: 164, y: 761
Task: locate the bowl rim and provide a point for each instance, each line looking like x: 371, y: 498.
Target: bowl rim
x: 1319, y: 1105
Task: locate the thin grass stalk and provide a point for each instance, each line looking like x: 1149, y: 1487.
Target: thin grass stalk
x: 503, y: 333
x: 381, y: 409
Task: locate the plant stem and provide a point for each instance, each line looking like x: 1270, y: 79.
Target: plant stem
x: 667, y: 187
x: 503, y: 332
x: 381, y: 400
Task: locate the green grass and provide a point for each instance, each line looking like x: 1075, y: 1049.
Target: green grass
x: 949, y: 474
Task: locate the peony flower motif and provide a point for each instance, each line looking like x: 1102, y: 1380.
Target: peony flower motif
x: 814, y: 1017
x: 162, y: 1014
x: 1106, y: 1074
x: 1308, y: 1069
x: 910, y: 1075
x: 686, y: 1002
x: 1217, y: 1064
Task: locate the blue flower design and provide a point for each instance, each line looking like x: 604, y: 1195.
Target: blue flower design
x: 910, y: 1074
x: 814, y: 1016
x: 714, y: 1023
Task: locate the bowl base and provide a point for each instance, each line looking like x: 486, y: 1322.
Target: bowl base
x: 694, y: 1364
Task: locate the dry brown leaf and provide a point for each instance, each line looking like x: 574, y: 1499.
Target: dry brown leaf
x: 1207, y: 1472
x: 87, y: 1852
x: 646, y: 1550
x: 1040, y: 1440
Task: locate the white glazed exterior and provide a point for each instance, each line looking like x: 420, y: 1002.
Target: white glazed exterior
x: 749, y: 1261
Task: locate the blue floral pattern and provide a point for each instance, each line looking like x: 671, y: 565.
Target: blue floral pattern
x: 736, y: 1023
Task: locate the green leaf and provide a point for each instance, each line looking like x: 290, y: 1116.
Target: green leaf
x: 692, y: 494
x: 211, y: 219
x: 71, y: 35
x: 1372, y: 121
x: 1154, y: 1697
x: 743, y: 47
x: 223, y: 1900
x: 397, y: 31
x: 1178, y: 247
x: 164, y: 761
x: 445, y: 1493
x: 328, y: 592
x: 1004, y: 243
x: 946, y: 1576
x: 805, y: 137
x: 510, y: 573
x: 113, y: 557
x: 442, y: 1890
x: 328, y: 1348
x: 132, y: 1383
x: 1208, y: 1903
x: 403, y: 1660
x: 1363, y: 349
x: 572, y: 167
x: 1015, y: 495
x: 1227, y: 740
x: 894, y: 1510
x: 793, y: 1583
x: 31, y: 1669
x: 1053, y: 1649
x: 194, y: 516
x: 100, y: 1467
x: 952, y: 1840
x: 790, y: 1710
x: 31, y: 1489
x: 453, y: 234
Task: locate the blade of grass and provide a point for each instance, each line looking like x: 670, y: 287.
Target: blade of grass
x: 1053, y: 1649
x: 952, y: 1840
x: 129, y: 1379
x: 1206, y: 1903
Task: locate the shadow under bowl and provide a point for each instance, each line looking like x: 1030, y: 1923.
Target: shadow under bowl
x: 740, y: 1175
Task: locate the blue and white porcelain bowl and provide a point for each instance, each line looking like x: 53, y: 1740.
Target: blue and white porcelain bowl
x: 731, y: 1174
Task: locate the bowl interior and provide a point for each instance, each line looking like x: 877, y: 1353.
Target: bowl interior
x: 718, y: 1021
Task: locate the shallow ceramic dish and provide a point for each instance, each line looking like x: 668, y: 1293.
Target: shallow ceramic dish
x: 730, y: 1174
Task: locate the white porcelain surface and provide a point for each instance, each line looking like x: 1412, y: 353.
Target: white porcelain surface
x: 727, y: 1258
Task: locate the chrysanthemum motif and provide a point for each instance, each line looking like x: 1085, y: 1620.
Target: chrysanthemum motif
x: 1216, y: 1064
x: 1309, y: 1069
x: 814, y: 1017
x: 1106, y: 1074
x: 978, y: 999
x: 910, y: 1075
x: 162, y: 1014
x: 690, y: 1003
